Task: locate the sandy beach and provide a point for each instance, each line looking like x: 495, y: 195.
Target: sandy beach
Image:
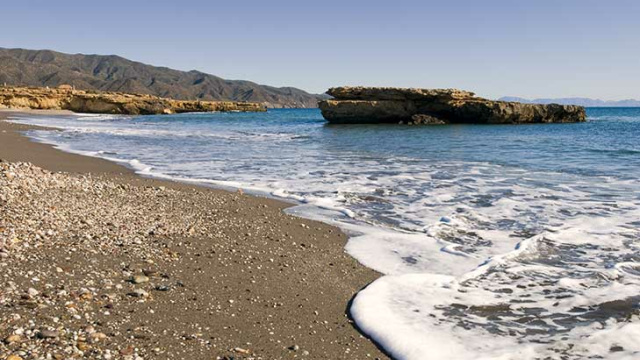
x: 99, y: 263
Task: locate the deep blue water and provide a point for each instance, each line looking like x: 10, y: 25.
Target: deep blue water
x: 607, y: 144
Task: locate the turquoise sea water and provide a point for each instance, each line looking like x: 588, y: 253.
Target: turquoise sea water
x: 505, y: 240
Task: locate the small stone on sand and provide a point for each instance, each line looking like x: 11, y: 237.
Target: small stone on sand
x: 139, y: 279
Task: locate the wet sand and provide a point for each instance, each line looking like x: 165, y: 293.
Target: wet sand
x: 163, y: 270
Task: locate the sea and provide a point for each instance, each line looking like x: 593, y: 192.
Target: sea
x: 494, y: 241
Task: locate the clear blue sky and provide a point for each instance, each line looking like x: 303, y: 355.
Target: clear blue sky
x: 538, y: 48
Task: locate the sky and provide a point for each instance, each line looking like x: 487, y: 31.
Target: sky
x: 532, y: 49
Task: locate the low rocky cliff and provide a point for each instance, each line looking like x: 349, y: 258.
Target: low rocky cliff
x: 111, y: 103
x: 357, y: 105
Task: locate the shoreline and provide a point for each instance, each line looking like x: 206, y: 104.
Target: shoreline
x: 291, y: 317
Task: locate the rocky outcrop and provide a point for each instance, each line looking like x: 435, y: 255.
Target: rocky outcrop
x: 40, y: 68
x: 111, y: 103
x: 357, y: 105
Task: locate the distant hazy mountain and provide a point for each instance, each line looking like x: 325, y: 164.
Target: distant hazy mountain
x: 576, y: 101
x: 114, y: 73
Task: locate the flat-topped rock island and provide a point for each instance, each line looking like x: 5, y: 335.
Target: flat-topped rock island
x: 367, y: 105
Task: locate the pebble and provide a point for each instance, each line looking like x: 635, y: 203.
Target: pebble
x: 48, y: 334
x: 139, y: 279
x: 98, y: 336
x: 83, y: 296
x: 150, y: 273
x: 12, y: 339
x: 32, y: 292
x: 138, y: 293
x: 241, y: 350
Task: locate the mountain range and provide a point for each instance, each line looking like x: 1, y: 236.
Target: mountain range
x: 586, y: 102
x: 21, y: 67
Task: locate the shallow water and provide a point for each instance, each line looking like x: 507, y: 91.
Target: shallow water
x: 496, y: 241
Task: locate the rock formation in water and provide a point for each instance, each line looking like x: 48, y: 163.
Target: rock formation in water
x: 358, y: 105
x: 64, y: 98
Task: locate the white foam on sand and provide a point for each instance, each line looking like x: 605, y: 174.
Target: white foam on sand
x: 527, y: 304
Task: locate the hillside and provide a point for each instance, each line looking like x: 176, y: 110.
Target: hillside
x: 21, y: 67
x: 576, y: 101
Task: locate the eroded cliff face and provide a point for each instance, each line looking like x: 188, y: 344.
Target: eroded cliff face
x: 357, y: 105
x: 111, y: 103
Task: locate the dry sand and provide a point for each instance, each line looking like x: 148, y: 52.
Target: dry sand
x: 99, y: 263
